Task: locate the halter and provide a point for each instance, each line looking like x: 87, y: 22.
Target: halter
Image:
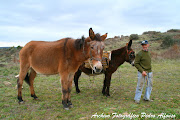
x: 91, y: 58
x: 129, y: 52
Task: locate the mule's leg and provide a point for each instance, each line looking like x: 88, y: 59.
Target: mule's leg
x: 104, y: 86
x: 22, y: 75
x: 76, y: 78
x: 31, y: 81
x: 108, y: 83
x: 64, y: 84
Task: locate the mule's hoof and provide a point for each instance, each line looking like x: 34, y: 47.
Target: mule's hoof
x: 108, y: 95
x: 103, y: 92
x: 78, y: 91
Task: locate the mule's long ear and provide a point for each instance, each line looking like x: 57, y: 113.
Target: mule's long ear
x: 91, y: 34
x: 103, y: 37
x: 129, y: 44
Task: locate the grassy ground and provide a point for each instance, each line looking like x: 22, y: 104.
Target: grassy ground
x: 90, y: 103
x: 166, y: 84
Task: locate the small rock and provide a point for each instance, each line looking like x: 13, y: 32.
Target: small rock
x: 6, y: 83
x: 83, y: 118
x: 6, y: 105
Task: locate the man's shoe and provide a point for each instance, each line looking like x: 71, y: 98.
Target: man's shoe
x: 148, y: 100
x: 137, y: 102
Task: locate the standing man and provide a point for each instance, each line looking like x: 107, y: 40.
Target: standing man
x: 143, y: 65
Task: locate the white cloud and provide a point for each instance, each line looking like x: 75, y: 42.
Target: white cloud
x: 45, y: 20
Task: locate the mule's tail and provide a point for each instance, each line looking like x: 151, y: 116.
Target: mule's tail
x: 26, y: 78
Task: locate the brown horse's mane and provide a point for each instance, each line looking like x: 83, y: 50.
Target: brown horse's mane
x: 97, y: 37
x: 79, y: 43
x: 66, y: 40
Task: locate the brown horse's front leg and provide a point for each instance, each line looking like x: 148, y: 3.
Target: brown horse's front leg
x: 71, y: 76
x: 66, y: 82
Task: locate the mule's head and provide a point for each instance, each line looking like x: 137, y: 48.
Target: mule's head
x: 95, y: 50
x: 130, y: 54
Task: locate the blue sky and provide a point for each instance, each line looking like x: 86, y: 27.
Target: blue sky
x: 24, y: 20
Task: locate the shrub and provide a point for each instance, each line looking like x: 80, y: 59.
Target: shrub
x: 151, y: 32
x: 168, y: 41
x: 174, y: 30
x: 19, y: 47
x: 134, y: 37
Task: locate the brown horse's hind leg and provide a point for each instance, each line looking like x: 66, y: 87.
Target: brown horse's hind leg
x: 31, y: 81
x: 22, y: 75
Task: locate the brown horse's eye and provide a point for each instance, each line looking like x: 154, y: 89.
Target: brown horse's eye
x: 92, y: 47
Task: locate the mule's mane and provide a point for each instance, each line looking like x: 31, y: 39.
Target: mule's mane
x: 118, y: 51
x: 79, y: 43
x: 97, y: 37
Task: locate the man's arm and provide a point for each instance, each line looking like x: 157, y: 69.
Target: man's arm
x: 137, y: 63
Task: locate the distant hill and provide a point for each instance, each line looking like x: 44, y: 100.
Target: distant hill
x: 4, y: 47
x: 162, y: 45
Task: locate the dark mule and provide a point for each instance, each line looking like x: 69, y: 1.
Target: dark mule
x: 118, y: 57
x: 61, y: 57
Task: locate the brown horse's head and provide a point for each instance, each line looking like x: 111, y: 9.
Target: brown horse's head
x: 95, y: 49
x: 130, y: 54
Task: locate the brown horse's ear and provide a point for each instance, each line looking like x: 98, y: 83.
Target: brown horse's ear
x: 103, y: 37
x: 91, y: 34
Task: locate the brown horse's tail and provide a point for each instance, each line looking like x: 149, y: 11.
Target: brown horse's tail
x: 27, y: 79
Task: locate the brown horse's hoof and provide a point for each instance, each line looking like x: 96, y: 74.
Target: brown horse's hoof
x: 36, y: 99
x: 66, y: 108
x: 71, y: 106
x: 21, y: 102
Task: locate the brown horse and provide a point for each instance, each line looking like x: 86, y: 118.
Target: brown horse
x: 61, y: 57
x: 118, y: 57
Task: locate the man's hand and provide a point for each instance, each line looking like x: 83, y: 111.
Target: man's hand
x: 144, y: 73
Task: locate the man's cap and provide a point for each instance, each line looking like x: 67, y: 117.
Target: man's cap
x: 144, y: 42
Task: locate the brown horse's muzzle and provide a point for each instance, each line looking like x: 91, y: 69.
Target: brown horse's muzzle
x: 97, y: 67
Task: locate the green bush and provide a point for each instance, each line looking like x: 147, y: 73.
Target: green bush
x: 168, y: 41
x: 19, y: 47
x: 174, y: 30
x: 134, y: 37
x: 151, y: 32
